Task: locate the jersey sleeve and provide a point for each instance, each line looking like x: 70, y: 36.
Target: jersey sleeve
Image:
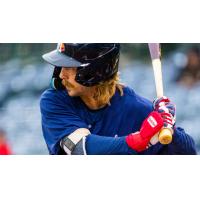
x: 100, y: 145
x: 58, y: 119
x: 182, y: 143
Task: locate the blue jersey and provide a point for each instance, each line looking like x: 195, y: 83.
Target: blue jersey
x: 62, y: 115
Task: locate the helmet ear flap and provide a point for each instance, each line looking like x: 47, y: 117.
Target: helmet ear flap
x: 56, y: 82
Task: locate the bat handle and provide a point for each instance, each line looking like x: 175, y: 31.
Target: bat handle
x: 165, y: 136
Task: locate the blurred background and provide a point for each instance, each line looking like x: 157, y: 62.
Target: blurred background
x: 24, y: 76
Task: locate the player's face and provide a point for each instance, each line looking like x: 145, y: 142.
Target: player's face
x: 68, y: 80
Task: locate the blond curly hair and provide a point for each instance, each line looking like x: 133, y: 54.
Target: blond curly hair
x: 104, y: 91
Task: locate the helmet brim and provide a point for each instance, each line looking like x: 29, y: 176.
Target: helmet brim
x: 58, y: 59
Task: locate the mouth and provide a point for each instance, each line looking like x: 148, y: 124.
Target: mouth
x: 67, y: 85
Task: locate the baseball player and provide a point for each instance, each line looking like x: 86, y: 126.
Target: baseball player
x: 88, y: 112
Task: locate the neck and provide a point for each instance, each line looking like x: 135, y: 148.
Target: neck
x: 91, y: 102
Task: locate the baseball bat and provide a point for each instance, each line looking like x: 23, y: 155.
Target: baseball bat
x: 165, y: 135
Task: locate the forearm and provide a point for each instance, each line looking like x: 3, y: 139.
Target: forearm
x: 124, y: 145
x: 81, y: 142
x: 100, y: 145
x: 77, y: 144
x: 182, y: 143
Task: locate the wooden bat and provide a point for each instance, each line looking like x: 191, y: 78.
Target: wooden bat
x: 165, y: 135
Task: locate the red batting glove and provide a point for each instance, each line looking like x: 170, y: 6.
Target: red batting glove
x: 152, y: 124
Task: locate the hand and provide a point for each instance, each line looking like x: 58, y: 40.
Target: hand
x: 151, y: 126
x: 167, y: 110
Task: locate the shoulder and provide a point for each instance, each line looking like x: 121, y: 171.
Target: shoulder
x: 52, y: 94
x: 51, y: 99
x: 138, y: 102
x: 134, y: 107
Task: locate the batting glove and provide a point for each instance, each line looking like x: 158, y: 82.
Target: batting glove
x: 140, y: 141
x: 167, y: 110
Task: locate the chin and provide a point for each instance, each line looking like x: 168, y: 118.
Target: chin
x: 71, y: 93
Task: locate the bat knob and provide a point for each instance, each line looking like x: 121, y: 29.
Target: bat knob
x: 165, y: 136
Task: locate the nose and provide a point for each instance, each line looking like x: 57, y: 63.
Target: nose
x: 63, y: 74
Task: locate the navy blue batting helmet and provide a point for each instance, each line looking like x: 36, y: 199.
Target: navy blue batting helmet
x: 95, y: 62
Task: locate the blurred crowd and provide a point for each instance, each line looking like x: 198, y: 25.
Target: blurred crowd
x: 22, y: 83
x: 189, y: 75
